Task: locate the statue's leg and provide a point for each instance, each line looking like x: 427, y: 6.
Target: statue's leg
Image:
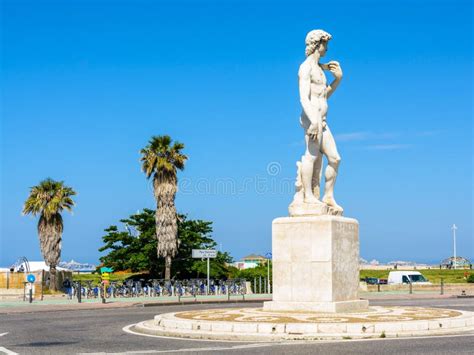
x: 307, y: 169
x: 328, y: 147
x: 317, y: 175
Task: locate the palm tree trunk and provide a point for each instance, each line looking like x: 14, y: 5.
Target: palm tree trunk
x: 166, y: 219
x: 52, y: 278
x: 50, y: 234
x: 168, y: 267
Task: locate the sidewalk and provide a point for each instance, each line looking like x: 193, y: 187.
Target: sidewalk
x: 55, y: 303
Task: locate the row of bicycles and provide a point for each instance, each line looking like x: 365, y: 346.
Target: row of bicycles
x: 155, y: 288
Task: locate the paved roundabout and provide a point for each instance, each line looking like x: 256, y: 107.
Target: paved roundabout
x: 256, y: 324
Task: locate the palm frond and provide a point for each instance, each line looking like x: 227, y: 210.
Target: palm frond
x: 48, y: 198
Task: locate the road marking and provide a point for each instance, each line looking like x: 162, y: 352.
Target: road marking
x: 6, y: 351
x: 213, y: 348
x: 2, y: 334
x: 257, y: 345
x: 260, y: 345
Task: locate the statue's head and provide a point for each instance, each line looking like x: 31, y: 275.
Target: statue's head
x: 317, y: 40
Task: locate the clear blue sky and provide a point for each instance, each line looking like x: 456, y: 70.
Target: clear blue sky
x: 85, y: 84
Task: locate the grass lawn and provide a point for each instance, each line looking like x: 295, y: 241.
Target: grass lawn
x: 433, y: 275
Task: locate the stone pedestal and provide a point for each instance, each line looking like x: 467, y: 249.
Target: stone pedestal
x: 315, y: 265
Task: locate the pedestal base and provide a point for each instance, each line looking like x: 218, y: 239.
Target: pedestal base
x: 326, y: 307
x: 315, y: 264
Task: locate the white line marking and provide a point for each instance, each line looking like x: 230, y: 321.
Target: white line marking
x: 6, y: 351
x: 126, y: 329
x: 258, y: 345
x: 2, y: 334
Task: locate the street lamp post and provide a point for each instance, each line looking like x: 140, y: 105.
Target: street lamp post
x: 269, y: 257
x: 454, y: 242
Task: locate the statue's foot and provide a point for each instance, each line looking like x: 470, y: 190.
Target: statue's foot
x: 312, y: 199
x: 332, y: 203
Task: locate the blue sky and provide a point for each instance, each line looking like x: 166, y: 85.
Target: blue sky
x: 85, y: 84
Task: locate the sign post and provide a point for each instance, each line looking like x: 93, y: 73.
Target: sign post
x: 31, y: 279
x: 269, y: 258
x: 105, y: 276
x: 205, y: 254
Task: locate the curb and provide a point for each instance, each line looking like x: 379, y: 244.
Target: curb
x: 100, y: 306
x: 178, y: 303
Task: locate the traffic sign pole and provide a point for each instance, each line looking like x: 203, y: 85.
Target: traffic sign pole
x: 208, y: 277
x: 269, y: 257
x: 205, y: 254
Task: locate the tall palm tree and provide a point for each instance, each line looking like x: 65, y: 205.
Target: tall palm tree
x: 48, y: 199
x: 160, y: 160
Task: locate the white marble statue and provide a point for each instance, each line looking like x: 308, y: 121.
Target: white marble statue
x: 314, y: 93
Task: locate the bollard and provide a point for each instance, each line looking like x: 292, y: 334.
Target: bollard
x: 260, y: 284
x: 79, y: 292
x: 378, y: 287
x: 411, y: 288
x: 103, y: 292
x: 254, y: 285
x: 442, y: 287
x: 31, y: 293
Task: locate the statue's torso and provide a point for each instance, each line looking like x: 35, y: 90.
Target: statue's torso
x: 317, y: 93
x: 318, y: 89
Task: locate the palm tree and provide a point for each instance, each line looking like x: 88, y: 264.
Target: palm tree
x: 49, y: 199
x: 161, y: 159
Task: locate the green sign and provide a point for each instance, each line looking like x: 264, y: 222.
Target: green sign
x: 106, y: 270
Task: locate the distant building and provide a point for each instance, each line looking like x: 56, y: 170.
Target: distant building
x: 78, y: 267
x: 250, y: 261
x: 459, y: 263
x: 35, y: 266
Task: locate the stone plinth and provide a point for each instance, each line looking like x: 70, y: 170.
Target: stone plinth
x: 315, y: 265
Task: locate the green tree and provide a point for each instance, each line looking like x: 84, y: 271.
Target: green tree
x: 161, y: 160
x: 127, y: 250
x: 48, y: 199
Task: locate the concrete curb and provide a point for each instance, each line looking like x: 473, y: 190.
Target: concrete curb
x: 169, y: 325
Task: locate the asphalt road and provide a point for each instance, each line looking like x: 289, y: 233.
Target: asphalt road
x: 100, y: 332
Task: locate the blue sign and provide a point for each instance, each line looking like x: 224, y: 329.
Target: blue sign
x: 31, y: 278
x: 268, y: 255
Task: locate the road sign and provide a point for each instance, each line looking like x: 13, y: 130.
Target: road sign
x: 31, y: 278
x: 268, y: 255
x: 106, y: 269
x: 105, y: 276
x: 204, y: 253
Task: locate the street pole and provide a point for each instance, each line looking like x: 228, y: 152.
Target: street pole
x: 208, y: 278
x: 454, y: 241
x: 268, y: 276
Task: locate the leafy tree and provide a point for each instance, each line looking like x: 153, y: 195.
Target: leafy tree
x: 48, y: 199
x: 160, y: 160
x: 136, y: 251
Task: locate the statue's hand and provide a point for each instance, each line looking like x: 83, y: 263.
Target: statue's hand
x: 335, y: 69
x: 314, y: 130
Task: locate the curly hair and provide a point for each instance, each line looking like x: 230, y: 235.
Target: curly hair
x: 313, y: 38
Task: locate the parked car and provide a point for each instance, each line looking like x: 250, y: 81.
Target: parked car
x: 371, y: 280
x: 407, y: 277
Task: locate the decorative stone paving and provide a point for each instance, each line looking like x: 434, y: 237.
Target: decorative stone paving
x: 375, y: 314
x: 255, y: 324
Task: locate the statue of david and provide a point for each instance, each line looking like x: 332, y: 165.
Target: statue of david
x: 314, y: 93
